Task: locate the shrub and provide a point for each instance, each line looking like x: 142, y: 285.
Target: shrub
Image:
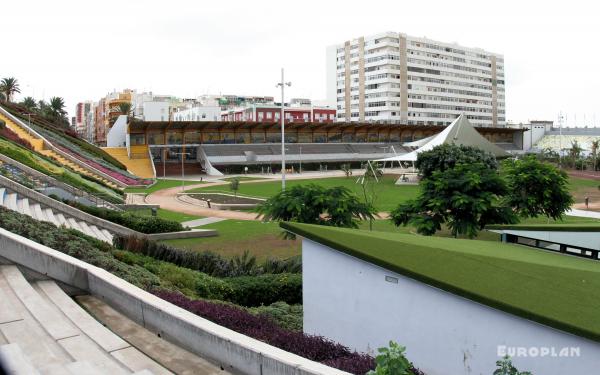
x: 316, y: 348
x: 142, y: 224
x: 208, y: 262
x: 77, y: 245
x: 286, y: 316
x: 266, y: 289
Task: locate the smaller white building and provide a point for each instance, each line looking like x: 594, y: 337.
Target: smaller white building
x: 198, y: 113
x: 457, y: 305
x: 156, y: 111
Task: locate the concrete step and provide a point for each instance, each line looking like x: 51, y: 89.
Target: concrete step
x: 82, y: 348
x: 25, y: 209
x: 73, y: 224
x: 107, y: 234
x: 52, y: 322
x: 83, y: 368
x: 36, y: 210
x: 11, y: 308
x: 41, y: 349
x: 11, y: 201
x: 101, y: 335
x: 61, y: 219
x: 86, y: 229
x: 2, y: 194
x: 50, y: 215
x: 15, y: 362
x: 99, y: 234
x: 138, y: 361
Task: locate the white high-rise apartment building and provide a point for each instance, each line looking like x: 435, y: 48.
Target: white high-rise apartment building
x: 399, y: 78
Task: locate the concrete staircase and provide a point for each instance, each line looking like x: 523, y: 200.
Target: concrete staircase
x: 23, y: 205
x: 139, y: 164
x: 43, y: 331
x: 39, y: 146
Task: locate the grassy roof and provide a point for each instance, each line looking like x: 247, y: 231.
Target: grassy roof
x: 586, y: 227
x: 553, y: 289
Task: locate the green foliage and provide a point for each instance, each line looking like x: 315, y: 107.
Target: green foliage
x: 266, y: 289
x: 76, y: 244
x: 142, y: 224
x: 347, y: 169
x: 391, y: 361
x: 447, y: 156
x: 505, y: 367
x: 285, y: 315
x: 234, y: 185
x: 536, y: 188
x: 466, y: 197
x: 314, y: 204
x: 9, y: 87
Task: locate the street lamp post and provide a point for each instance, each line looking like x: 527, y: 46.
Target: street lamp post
x: 282, y: 84
x: 182, y: 169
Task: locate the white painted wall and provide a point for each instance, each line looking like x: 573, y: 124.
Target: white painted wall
x: 198, y: 113
x: 117, y: 135
x: 350, y: 301
x: 531, y: 137
x: 156, y: 111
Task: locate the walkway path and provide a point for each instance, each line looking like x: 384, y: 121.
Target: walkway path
x: 584, y: 213
x: 201, y: 222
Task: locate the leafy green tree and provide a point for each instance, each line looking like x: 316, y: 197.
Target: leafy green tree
x: 536, y: 188
x: 29, y: 103
x: 124, y: 108
x: 234, y: 185
x: 447, y: 156
x: 505, y: 367
x: 595, y: 145
x: 56, y: 109
x: 314, y: 204
x: 466, y: 198
x: 575, y: 152
x: 392, y: 361
x: 9, y: 87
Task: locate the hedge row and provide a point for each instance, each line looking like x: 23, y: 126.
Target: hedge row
x: 249, y: 291
x: 206, y: 261
x: 142, y: 224
x: 316, y: 348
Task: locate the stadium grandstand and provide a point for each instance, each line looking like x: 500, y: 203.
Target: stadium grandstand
x: 230, y: 147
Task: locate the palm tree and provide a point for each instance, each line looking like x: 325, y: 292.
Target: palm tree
x: 57, y: 108
x: 29, y: 103
x: 124, y: 108
x: 575, y: 151
x: 595, y: 145
x: 9, y: 86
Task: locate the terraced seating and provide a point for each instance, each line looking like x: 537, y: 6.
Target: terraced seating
x: 39, y: 146
x: 139, y: 164
x: 24, y: 206
x: 43, y: 331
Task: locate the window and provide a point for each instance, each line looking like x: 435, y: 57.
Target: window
x: 269, y: 115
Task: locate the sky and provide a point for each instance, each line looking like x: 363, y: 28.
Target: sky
x: 81, y: 50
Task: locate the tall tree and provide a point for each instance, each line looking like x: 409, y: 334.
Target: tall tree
x: 575, y: 152
x: 124, y: 108
x: 314, y: 204
x: 9, y: 87
x: 536, y: 188
x: 446, y: 156
x: 595, y: 145
x: 466, y: 198
x: 29, y: 103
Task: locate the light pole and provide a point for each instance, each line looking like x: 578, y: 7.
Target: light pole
x: 282, y: 84
x: 182, y: 169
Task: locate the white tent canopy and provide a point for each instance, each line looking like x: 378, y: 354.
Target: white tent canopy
x: 459, y: 132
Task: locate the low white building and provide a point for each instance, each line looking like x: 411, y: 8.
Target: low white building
x: 198, y: 113
x: 457, y: 305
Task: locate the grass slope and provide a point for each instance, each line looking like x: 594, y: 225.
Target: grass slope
x: 388, y: 194
x: 556, y: 290
x: 262, y: 240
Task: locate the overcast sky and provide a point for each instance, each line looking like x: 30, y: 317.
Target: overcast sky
x: 82, y: 49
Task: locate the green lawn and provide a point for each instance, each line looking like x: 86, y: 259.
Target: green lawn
x: 388, y: 194
x: 235, y: 236
x: 550, y: 288
x: 166, y: 214
x: 160, y: 185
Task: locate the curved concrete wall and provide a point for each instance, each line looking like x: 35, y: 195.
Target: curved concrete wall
x: 234, y: 351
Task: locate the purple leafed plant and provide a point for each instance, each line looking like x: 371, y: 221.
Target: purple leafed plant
x: 316, y: 348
